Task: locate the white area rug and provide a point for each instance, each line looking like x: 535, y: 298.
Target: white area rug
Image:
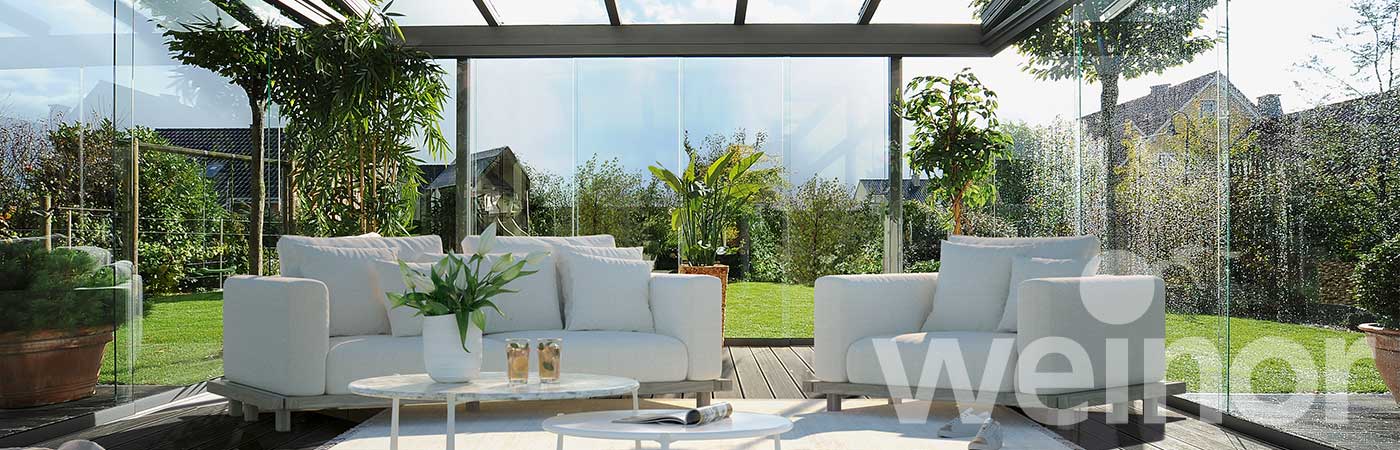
x: 865, y: 424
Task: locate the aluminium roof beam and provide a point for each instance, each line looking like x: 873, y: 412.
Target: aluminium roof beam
x: 613, y: 18
x: 741, y: 11
x: 488, y: 12
x: 867, y: 11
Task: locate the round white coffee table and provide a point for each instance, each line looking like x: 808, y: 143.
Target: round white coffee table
x: 599, y: 425
x: 490, y: 386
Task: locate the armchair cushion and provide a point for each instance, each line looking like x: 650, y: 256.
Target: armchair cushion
x: 851, y: 307
x: 989, y: 360
x: 353, y: 282
x: 275, y: 333
x: 1026, y: 268
x: 1096, y: 313
x: 976, y: 278
x: 607, y: 294
x: 687, y: 307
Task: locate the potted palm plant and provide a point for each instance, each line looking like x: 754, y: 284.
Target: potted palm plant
x: 710, y: 198
x: 452, y: 296
x: 1377, y: 281
x: 58, y: 311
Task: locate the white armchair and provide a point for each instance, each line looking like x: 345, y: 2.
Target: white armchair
x: 874, y: 334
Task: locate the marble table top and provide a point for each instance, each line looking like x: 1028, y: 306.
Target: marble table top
x: 600, y: 425
x: 494, y: 386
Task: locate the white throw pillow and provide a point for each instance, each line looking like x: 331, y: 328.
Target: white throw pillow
x: 607, y: 294
x: 566, y: 272
x: 534, y: 305
x: 972, y: 287
x: 353, y: 282
x: 403, y: 321
x: 1028, y: 268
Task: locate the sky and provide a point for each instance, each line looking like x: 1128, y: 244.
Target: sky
x: 823, y: 117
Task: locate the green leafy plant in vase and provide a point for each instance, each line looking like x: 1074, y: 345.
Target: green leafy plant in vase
x: 453, y: 296
x: 1377, y: 282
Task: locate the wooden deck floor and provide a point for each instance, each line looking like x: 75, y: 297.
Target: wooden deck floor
x: 759, y: 372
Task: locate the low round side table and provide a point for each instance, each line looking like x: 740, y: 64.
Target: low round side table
x: 490, y: 386
x: 599, y: 425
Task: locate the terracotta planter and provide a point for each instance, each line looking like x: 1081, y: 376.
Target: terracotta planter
x: 50, y: 366
x: 718, y: 271
x: 1385, y: 345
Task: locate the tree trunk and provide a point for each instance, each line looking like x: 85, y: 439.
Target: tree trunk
x: 1115, y: 155
x: 255, y: 210
x: 289, y: 193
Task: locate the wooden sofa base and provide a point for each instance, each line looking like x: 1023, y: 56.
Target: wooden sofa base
x: 249, y: 401
x: 1152, y: 392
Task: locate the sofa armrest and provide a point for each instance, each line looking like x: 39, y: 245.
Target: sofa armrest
x: 1118, y: 321
x: 687, y: 307
x: 851, y: 307
x: 276, y: 333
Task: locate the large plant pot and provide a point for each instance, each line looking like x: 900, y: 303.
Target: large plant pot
x: 50, y: 366
x: 443, y: 355
x: 1385, y: 345
x: 718, y: 271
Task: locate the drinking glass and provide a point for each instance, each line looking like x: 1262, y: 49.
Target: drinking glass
x: 549, y: 359
x: 518, y: 361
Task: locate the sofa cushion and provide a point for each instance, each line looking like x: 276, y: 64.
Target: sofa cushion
x: 1027, y: 268
x: 353, y: 284
x: 289, y: 248
x: 403, y: 321
x: 1068, y: 247
x: 863, y: 365
x: 565, y: 274
x: 526, y: 244
x: 607, y: 294
x: 644, y: 357
x: 354, y: 357
x: 534, y: 305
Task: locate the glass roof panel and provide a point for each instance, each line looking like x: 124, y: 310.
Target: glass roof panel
x: 925, y: 11
x: 549, y: 12
x: 437, y: 12
x: 803, y: 11
x: 676, y: 11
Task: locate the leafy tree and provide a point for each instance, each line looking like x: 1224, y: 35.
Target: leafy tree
x: 1150, y: 37
x: 356, y: 96
x: 831, y: 232
x: 246, y: 58
x: 956, y: 139
x: 1371, y: 44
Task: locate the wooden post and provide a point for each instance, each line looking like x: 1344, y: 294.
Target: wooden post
x: 48, y: 222
x: 465, y: 209
x: 894, y: 216
x: 255, y: 210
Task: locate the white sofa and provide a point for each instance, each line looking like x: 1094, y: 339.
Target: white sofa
x: 874, y: 334
x: 280, y: 353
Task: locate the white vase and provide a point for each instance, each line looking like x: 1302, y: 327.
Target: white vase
x: 442, y: 350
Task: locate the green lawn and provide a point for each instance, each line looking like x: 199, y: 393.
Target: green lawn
x: 182, y: 342
x: 183, y: 337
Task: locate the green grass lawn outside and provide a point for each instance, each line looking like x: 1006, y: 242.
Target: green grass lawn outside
x: 183, y: 338
x: 182, y: 343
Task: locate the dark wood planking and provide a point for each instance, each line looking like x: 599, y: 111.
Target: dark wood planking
x: 796, y: 368
x: 727, y: 371
x: 779, y: 380
x: 753, y: 384
x: 807, y: 355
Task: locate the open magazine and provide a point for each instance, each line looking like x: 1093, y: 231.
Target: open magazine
x: 689, y: 417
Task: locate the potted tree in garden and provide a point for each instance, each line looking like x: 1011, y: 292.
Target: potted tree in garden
x: 452, y: 296
x: 957, y: 139
x: 710, y: 198
x: 58, y: 310
x: 1377, y: 281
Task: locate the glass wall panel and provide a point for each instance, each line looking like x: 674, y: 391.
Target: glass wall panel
x: 65, y: 275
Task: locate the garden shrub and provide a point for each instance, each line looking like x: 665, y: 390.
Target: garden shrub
x: 1377, y: 281
x: 39, y: 289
